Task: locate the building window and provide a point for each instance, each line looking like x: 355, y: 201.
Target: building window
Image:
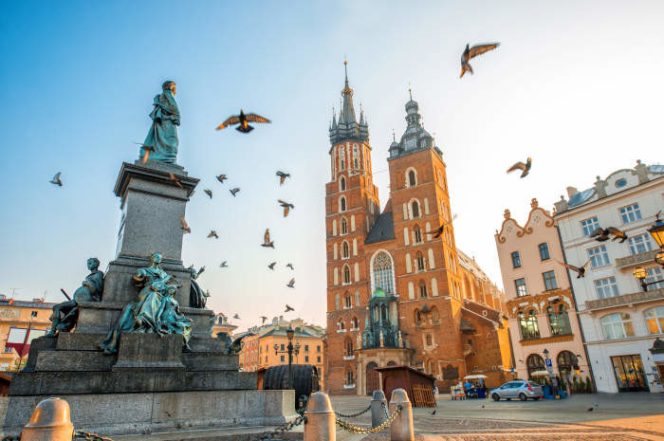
x: 318, y: 358
x: 419, y: 259
x: 412, y: 178
x: 348, y: 347
x: 382, y: 272
x: 516, y: 259
x: 306, y: 348
x: 655, y: 320
x: 534, y: 362
x: 342, y: 203
x: 345, y: 250
x: 423, y: 290
x: 306, y: 359
x: 282, y: 359
x: 342, y: 158
x: 428, y: 340
x: 630, y: 213
x: 598, y: 256
x: 639, y: 244
x: 520, y: 286
x: 356, y: 157
x: 655, y: 274
x: 528, y: 325
x: 346, y: 275
x: 342, y: 184
x: 344, y: 226
x: 417, y: 234
x: 282, y: 347
x: 348, y: 301
x: 415, y: 208
x: 418, y: 317
x: 559, y: 320
x: 340, y: 327
x: 350, y: 381
x: 606, y: 287
x: 549, y: 280
x: 355, y: 324
x: 618, y: 325
x: 544, y: 251
x: 589, y: 225
x: 317, y: 348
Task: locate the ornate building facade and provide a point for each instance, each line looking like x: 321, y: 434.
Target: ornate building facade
x: 396, y: 294
x: 540, y: 304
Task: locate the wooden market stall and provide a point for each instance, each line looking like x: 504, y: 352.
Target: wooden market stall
x: 418, y: 385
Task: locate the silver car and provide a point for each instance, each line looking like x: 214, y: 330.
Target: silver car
x: 520, y: 389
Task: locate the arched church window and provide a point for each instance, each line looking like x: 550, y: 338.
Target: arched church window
x: 356, y: 157
x: 355, y: 324
x: 342, y: 184
x: 415, y: 209
x: 342, y: 158
x: 417, y: 233
x: 345, y: 250
x: 419, y: 259
x: 412, y: 178
x: 342, y: 203
x: 382, y: 272
x: 348, y: 301
x: 423, y: 290
x: 344, y: 226
x: 348, y: 346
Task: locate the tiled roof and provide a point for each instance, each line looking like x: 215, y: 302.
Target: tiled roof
x: 382, y: 230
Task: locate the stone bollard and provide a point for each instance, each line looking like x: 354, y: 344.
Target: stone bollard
x: 402, y: 427
x: 321, y: 420
x: 378, y: 408
x: 51, y: 421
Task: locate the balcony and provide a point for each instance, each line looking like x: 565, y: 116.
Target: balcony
x: 637, y: 259
x: 626, y: 299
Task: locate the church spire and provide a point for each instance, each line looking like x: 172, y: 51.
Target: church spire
x: 347, y: 126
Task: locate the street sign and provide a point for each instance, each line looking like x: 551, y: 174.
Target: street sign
x: 548, y: 363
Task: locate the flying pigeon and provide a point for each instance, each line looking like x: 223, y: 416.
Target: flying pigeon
x: 267, y: 243
x: 291, y: 283
x: 524, y: 167
x: 221, y: 178
x: 223, y: 264
x: 282, y: 176
x: 271, y: 266
x: 617, y: 234
x: 234, y: 191
x: 286, y: 206
x: 603, y: 234
x: 290, y: 265
x: 471, y: 52
x: 580, y: 271
x: 243, y: 121
x: 56, y: 180
x: 236, y: 317
x: 208, y: 192
x: 214, y: 234
x: 184, y: 225
x: 263, y: 319
x: 289, y: 308
x: 437, y: 232
x: 174, y: 179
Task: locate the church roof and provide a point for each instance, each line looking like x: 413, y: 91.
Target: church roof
x: 383, y: 229
x: 415, y: 137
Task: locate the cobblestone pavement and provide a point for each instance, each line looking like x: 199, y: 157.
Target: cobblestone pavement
x: 614, y: 417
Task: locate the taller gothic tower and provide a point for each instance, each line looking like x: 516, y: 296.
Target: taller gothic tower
x: 351, y: 209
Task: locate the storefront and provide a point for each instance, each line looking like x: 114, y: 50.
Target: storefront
x: 657, y: 352
x: 630, y: 376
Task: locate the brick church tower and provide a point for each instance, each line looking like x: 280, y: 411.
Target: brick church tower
x: 397, y: 295
x: 351, y: 205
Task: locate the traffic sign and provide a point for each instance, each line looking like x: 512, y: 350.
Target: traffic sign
x: 548, y: 363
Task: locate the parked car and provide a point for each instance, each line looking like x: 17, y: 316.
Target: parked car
x: 520, y: 389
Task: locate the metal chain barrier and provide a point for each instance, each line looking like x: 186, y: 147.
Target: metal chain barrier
x: 89, y: 436
x: 12, y: 438
x: 352, y: 428
x: 353, y: 415
x: 283, y: 428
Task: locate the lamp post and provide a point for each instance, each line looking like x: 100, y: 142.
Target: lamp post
x: 290, y: 350
x: 656, y: 231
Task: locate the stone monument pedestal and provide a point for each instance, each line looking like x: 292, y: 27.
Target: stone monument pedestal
x: 150, y: 384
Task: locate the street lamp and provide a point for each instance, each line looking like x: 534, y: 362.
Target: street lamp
x: 657, y: 233
x: 290, y: 350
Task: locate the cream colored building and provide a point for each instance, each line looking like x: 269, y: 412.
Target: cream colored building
x: 21, y: 322
x: 620, y: 321
x: 539, y: 303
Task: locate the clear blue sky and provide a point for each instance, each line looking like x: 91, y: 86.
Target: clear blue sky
x: 576, y: 85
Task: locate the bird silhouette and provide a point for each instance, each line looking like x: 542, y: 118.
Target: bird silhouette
x: 524, y: 167
x: 184, y: 225
x: 617, y: 234
x: 291, y: 283
x: 439, y: 231
x: 263, y: 319
x: 56, y: 180
x: 471, y: 52
x: 208, y: 192
x: 221, y: 178
x: 600, y: 234
x: 267, y: 243
x: 434, y: 412
x: 286, y: 206
x: 175, y: 180
x: 282, y: 176
x: 243, y: 121
x: 223, y: 264
x: 234, y: 191
x: 290, y: 265
x: 590, y: 409
x: 214, y: 234
x: 289, y: 308
x: 236, y: 317
x: 271, y: 266
x: 579, y: 270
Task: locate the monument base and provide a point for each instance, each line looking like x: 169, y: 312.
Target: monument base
x: 145, y: 413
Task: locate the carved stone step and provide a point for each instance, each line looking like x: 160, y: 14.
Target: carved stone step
x: 59, y: 361
x: 202, y: 361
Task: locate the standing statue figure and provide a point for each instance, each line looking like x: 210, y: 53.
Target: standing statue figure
x: 197, y: 297
x: 161, y: 143
x: 65, y: 314
x: 154, y: 311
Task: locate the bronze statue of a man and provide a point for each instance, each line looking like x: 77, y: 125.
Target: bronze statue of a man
x: 65, y: 314
x: 161, y: 142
